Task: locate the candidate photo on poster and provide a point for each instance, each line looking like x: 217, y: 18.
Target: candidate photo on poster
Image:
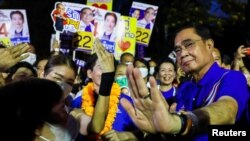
x: 18, y: 26
x: 110, y: 21
x: 86, y: 19
x: 59, y: 16
x: 147, y: 21
x: 136, y: 13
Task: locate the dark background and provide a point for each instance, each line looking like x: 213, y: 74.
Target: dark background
x: 228, y: 39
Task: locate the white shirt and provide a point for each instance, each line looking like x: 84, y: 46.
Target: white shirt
x: 82, y: 26
x: 142, y: 23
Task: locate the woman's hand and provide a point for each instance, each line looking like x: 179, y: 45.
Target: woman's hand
x: 105, y: 59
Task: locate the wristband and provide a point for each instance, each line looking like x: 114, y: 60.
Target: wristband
x: 183, y: 123
x: 192, y: 123
x: 106, y: 83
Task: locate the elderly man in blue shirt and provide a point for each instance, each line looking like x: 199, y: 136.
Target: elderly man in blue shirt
x: 214, y: 96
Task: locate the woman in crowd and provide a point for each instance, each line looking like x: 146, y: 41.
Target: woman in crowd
x: 143, y: 67
x: 63, y: 126
x: 166, y: 72
x: 100, y: 100
x: 33, y: 102
x: 21, y: 70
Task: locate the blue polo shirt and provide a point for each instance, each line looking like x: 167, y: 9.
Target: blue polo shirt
x: 217, y: 82
x: 169, y: 95
x: 122, y: 122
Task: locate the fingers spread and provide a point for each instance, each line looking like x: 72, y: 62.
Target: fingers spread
x: 132, y: 86
x: 155, y: 92
x: 140, y: 83
x: 128, y: 107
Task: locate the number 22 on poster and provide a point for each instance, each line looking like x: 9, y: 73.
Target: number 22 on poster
x: 83, y: 40
x: 142, y: 36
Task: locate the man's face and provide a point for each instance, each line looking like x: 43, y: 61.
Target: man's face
x: 87, y: 16
x: 192, y: 52
x: 149, y: 15
x: 61, y: 8
x: 17, y: 21
x: 136, y: 14
x: 109, y: 23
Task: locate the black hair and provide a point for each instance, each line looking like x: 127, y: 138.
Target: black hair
x: 17, y: 12
x: 89, y: 65
x: 125, y: 54
x: 142, y: 61
x: 31, y: 103
x: 58, y: 60
x: 226, y: 59
x: 165, y: 60
x: 199, y: 29
x: 111, y: 14
x: 146, y: 10
x: 22, y: 64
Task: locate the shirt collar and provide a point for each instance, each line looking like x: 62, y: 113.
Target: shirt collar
x: 212, y: 75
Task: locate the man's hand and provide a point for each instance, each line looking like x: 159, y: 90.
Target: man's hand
x: 149, y: 113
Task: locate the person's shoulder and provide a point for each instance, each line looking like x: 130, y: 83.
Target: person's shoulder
x: 77, y: 102
x: 234, y: 75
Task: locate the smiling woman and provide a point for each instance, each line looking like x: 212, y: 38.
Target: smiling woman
x: 62, y: 69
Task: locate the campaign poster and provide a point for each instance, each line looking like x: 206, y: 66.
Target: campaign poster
x: 80, y: 24
x: 73, y: 24
x: 126, y: 36
x: 145, y: 15
x: 14, y: 27
x: 107, y: 28
x: 103, y: 4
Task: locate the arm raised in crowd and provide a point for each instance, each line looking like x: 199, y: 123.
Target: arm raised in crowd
x: 238, y: 61
x: 106, y: 61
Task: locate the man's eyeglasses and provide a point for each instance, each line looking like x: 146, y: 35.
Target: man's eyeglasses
x: 186, y: 44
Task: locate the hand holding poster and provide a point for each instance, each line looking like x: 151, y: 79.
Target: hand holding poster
x: 107, y: 28
x: 14, y: 26
x: 145, y: 15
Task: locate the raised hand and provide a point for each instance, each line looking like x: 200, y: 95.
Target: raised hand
x: 241, y: 52
x: 12, y: 55
x: 105, y: 59
x: 149, y: 113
